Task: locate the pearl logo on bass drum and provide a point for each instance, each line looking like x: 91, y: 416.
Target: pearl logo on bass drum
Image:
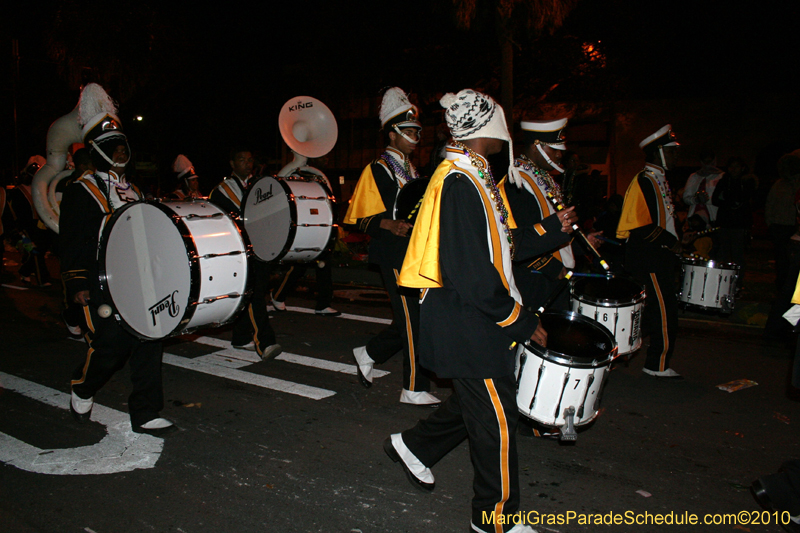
x: 165, y: 304
x: 301, y: 105
x: 261, y: 196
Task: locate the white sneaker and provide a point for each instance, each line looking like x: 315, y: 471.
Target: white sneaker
x: 279, y: 306
x: 328, y: 311
x: 365, y: 363
x: 668, y: 373
x: 419, y: 398
x: 156, y: 427
x: 75, y: 331
x: 271, y: 352
x: 250, y: 346
x: 157, y: 423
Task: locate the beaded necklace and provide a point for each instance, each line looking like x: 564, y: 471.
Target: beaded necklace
x: 405, y: 172
x: 542, y: 177
x: 666, y: 192
x: 485, y: 173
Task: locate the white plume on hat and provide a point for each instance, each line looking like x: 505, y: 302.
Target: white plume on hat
x: 95, y: 101
x: 182, y: 165
x: 473, y: 115
x: 394, y: 102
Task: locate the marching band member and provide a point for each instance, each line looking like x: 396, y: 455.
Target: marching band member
x: 188, y: 183
x: 544, y: 250
x: 86, y: 207
x: 648, y: 224
x: 460, y: 255
x: 251, y: 330
x: 33, y: 238
x: 371, y: 210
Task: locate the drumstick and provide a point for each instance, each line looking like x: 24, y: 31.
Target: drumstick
x: 590, y: 275
x: 560, y: 207
x: 553, y: 295
x: 550, y: 299
x: 609, y: 241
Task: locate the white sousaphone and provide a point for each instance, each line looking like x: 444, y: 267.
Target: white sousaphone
x: 64, y: 132
x: 291, y: 217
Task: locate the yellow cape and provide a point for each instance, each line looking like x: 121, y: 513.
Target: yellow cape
x: 635, y: 212
x: 366, y: 201
x: 421, y: 267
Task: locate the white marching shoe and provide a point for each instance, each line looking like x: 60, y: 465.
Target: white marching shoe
x: 364, y: 363
x: 668, y: 373
x: 279, y: 306
x: 418, y: 474
x: 419, y: 398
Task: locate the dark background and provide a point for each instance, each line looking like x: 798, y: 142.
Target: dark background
x: 207, y: 78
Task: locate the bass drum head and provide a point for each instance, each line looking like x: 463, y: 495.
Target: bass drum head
x: 268, y: 216
x: 575, y: 340
x: 146, y: 270
x: 608, y: 290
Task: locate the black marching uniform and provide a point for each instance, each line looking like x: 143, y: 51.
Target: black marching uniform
x: 253, y: 324
x: 85, y: 210
x: 543, y: 249
x: 471, y: 317
x: 648, y: 224
x: 387, y: 250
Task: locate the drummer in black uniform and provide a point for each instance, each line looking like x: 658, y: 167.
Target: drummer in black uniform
x: 252, y: 330
x: 543, y: 235
x: 86, y: 207
x: 371, y: 210
x: 648, y: 224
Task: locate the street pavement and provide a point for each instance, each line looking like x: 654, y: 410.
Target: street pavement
x: 295, y: 444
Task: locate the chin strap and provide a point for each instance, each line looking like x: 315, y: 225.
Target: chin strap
x: 549, y: 161
x: 661, y: 155
x: 404, y: 136
x: 108, y: 159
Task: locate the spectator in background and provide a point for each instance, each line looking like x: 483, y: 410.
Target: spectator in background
x: 732, y: 197
x: 700, y: 188
x: 780, y: 213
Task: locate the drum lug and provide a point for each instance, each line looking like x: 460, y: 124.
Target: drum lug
x: 568, y: 432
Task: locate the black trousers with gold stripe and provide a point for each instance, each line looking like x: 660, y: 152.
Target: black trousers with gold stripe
x: 324, y: 281
x: 110, y: 347
x: 656, y: 269
x: 485, y: 412
x: 402, y: 334
x: 252, y: 324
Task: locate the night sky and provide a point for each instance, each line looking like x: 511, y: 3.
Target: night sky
x: 206, y: 78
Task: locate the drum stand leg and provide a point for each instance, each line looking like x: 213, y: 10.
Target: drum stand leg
x: 568, y: 432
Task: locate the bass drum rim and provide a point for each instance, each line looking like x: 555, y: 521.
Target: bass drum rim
x: 194, y: 268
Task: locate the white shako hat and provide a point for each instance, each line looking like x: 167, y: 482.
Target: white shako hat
x: 183, y: 168
x: 661, y: 138
x: 102, y: 128
x: 397, y: 111
x: 473, y: 115
x: 548, y: 133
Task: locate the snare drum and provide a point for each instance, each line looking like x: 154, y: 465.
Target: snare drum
x: 708, y: 284
x: 616, y: 302
x: 570, y: 372
x: 409, y: 198
x: 169, y: 267
x: 288, y: 218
